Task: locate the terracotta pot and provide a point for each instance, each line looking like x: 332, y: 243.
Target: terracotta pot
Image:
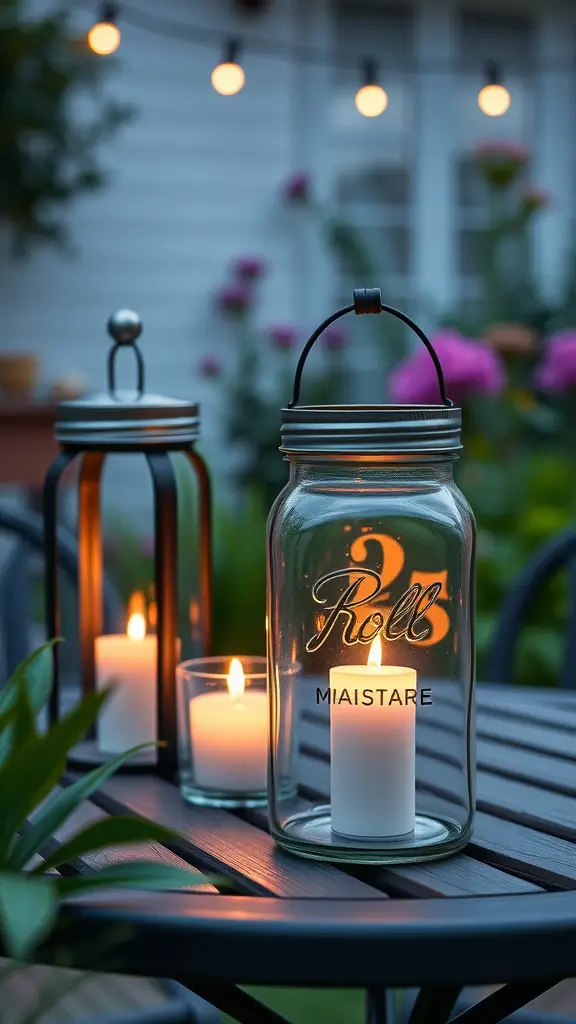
x: 18, y: 374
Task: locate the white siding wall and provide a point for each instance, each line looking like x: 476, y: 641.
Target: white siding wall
x: 194, y: 182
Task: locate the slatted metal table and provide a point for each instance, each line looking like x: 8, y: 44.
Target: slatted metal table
x: 502, y: 911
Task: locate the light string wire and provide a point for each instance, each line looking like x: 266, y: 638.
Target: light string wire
x: 215, y: 38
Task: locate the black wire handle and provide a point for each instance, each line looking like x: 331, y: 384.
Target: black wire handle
x: 368, y: 300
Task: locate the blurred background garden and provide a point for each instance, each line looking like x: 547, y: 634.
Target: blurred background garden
x: 234, y: 223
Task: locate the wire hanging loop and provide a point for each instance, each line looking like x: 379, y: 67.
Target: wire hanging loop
x: 125, y: 327
x: 368, y: 300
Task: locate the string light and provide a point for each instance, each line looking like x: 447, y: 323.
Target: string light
x: 494, y: 98
x: 371, y: 99
x: 104, y: 36
x: 228, y: 77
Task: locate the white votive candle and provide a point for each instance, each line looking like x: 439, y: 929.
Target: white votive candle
x: 373, y: 749
x: 129, y: 662
x: 229, y: 737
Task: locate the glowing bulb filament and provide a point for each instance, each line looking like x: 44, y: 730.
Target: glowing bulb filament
x: 136, y: 628
x: 236, y: 679
x: 375, y: 653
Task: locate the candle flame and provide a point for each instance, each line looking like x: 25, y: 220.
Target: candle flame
x: 136, y: 628
x: 375, y: 652
x: 136, y: 603
x: 235, y: 679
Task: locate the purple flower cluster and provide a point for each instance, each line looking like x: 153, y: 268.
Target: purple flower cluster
x: 557, y: 370
x: 248, y: 268
x: 283, y: 337
x: 296, y: 188
x: 334, y: 338
x: 209, y: 367
x: 470, y: 367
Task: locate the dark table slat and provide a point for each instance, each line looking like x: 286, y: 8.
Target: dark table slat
x: 224, y: 844
x: 525, y: 708
x: 525, y: 765
x: 543, y: 822
x: 86, y: 815
x: 460, y: 875
x: 544, y: 810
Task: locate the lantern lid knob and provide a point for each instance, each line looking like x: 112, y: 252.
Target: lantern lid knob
x: 124, y: 326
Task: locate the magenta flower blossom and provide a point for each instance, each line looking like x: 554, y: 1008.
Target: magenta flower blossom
x: 283, y: 337
x: 494, y: 150
x: 501, y: 162
x: 297, y: 188
x: 533, y: 199
x: 334, y: 338
x: 234, y: 298
x: 470, y: 367
x: 249, y: 268
x: 209, y: 367
x: 557, y: 370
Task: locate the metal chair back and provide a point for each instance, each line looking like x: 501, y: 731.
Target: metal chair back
x: 555, y: 555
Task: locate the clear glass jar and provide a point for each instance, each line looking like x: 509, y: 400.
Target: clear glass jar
x: 370, y: 594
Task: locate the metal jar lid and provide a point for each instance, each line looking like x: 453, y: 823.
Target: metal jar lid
x: 370, y: 429
x: 126, y: 420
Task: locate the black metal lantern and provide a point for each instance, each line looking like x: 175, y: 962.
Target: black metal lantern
x: 88, y: 429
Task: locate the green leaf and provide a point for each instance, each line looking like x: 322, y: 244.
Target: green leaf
x: 112, y: 831
x: 136, y: 874
x: 27, y: 911
x: 60, y: 806
x: 18, y: 724
x: 36, y: 673
x: 31, y: 771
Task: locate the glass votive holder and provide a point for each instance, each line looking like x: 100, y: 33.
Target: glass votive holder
x: 223, y: 731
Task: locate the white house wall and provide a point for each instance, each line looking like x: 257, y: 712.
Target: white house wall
x: 194, y: 183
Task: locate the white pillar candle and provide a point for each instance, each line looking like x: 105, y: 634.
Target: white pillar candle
x: 129, y: 717
x: 373, y: 749
x: 229, y: 737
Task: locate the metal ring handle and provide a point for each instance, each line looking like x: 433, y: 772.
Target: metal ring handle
x: 368, y: 300
x: 111, y: 368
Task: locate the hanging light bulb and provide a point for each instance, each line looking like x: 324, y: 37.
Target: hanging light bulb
x: 104, y: 36
x: 494, y: 98
x: 371, y: 99
x: 228, y: 77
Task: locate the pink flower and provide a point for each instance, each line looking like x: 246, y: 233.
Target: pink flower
x: 557, y: 370
x: 297, y: 188
x: 209, y: 367
x: 493, y: 150
x: 283, y: 337
x: 249, y: 268
x: 470, y: 367
x: 334, y: 338
x: 533, y: 199
x: 234, y: 298
x: 501, y: 162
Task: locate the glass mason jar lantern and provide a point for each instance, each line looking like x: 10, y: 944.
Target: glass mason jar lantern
x: 370, y: 588
x: 143, y: 668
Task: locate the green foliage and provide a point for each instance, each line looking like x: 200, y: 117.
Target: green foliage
x: 239, y: 565
x: 47, y: 148
x: 31, y: 809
